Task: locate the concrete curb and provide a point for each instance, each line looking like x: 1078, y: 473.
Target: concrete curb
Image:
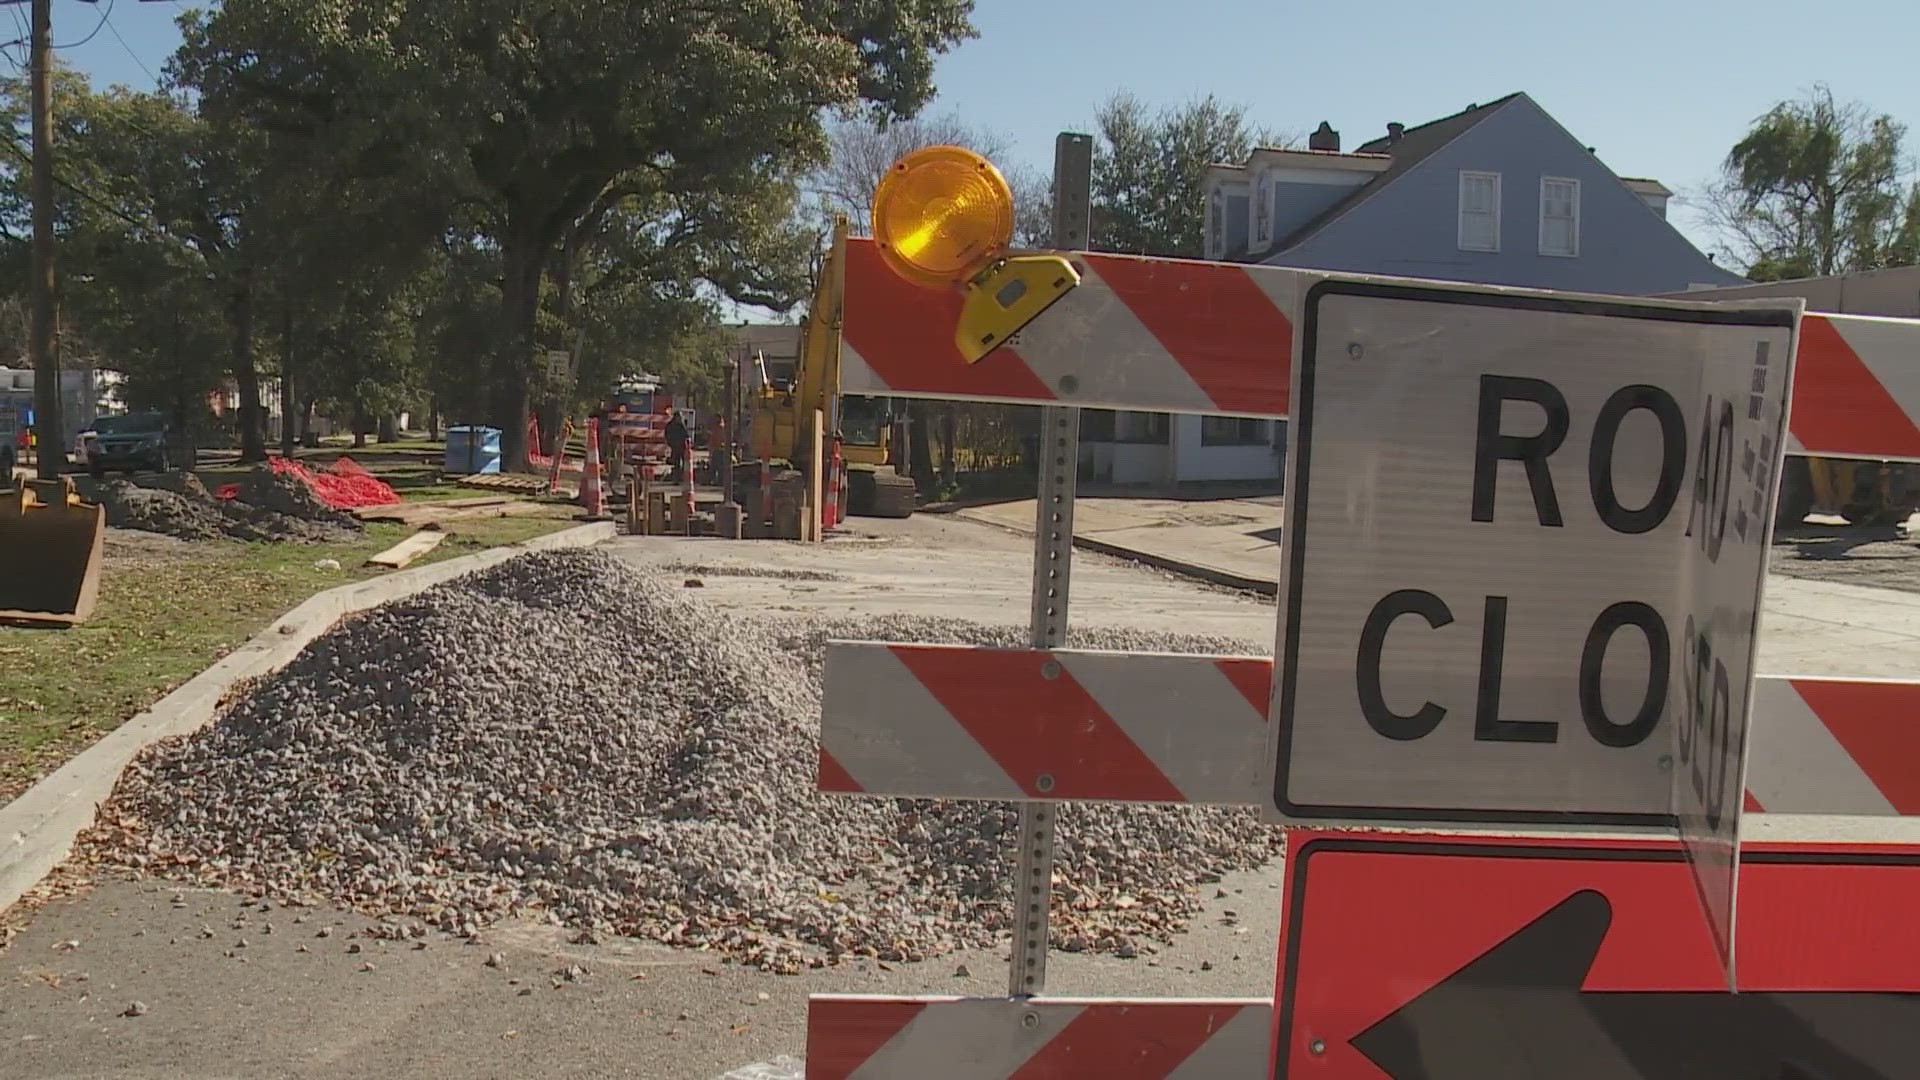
x: 38, y: 828
x: 1198, y: 571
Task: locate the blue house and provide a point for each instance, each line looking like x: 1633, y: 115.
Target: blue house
x: 1499, y: 194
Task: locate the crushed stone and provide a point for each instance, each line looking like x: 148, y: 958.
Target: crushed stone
x: 178, y: 505
x: 463, y: 755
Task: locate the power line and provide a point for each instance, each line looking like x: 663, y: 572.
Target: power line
x: 104, y: 16
x: 24, y: 154
x: 115, y: 31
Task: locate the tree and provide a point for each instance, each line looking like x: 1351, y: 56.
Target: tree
x: 541, y: 115
x: 1150, y: 167
x: 1817, y: 187
x: 138, y: 297
x: 864, y: 149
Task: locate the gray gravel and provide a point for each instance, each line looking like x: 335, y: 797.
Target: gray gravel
x: 178, y: 505
x: 562, y: 737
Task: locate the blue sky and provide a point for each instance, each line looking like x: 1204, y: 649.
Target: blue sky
x: 1658, y: 90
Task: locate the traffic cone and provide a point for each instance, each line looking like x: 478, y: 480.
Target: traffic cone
x: 831, y: 518
x: 591, y: 497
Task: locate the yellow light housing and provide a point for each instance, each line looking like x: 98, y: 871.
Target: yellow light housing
x: 942, y: 215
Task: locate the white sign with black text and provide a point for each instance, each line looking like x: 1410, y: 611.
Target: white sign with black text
x: 1734, y: 480
x: 1524, y: 553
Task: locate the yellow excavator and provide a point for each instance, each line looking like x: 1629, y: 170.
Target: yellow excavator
x: 780, y: 430
x: 1865, y: 493
x: 51, y: 548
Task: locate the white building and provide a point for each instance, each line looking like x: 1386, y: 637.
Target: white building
x: 1162, y: 448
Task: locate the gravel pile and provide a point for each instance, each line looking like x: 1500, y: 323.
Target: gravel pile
x: 462, y: 755
x: 178, y: 505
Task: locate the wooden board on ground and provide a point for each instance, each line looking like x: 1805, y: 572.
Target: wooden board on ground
x: 420, y: 515
x: 406, y: 551
x: 412, y: 513
x: 533, y: 485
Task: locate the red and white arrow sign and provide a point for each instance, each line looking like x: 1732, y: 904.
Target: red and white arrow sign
x: 1449, y: 958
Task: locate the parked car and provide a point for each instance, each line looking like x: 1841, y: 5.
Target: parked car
x: 137, y: 441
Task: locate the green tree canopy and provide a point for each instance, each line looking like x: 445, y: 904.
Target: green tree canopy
x: 1817, y: 187
x: 1150, y: 168
x: 542, y: 118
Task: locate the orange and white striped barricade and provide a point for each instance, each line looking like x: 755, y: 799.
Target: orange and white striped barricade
x: 948, y: 721
x: 559, y: 459
x: 1178, y: 336
x: 1046, y: 724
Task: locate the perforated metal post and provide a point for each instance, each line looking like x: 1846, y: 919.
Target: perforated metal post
x: 1059, y: 461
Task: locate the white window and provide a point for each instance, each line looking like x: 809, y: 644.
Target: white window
x: 1559, y: 216
x: 1262, y: 213
x: 1233, y: 431
x: 1479, y: 211
x: 1216, y: 225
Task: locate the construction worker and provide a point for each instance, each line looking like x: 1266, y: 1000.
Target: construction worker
x: 676, y: 446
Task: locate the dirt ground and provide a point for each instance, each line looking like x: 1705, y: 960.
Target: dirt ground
x: 1832, y: 552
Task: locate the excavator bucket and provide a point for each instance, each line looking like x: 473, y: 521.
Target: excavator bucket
x: 51, y: 548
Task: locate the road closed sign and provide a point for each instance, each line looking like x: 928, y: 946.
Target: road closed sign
x: 1525, y: 542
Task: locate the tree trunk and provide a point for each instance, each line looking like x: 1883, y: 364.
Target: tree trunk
x: 389, y: 429
x: 520, y: 303
x: 253, y: 432
x: 289, y: 410
x: 949, y: 435
x: 308, y: 438
x: 920, y: 450
x: 433, y: 419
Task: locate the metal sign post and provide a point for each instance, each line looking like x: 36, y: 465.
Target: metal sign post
x: 1059, y: 462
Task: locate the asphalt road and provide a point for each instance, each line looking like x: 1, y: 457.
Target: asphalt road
x: 1826, y: 552
x: 288, y: 1003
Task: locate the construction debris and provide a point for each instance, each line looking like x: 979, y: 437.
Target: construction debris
x: 286, y: 487
x: 179, y: 506
x: 402, y: 554
x: 460, y: 756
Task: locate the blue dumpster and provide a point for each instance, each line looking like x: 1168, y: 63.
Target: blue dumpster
x: 472, y: 450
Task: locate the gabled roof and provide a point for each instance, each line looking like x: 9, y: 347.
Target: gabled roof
x: 1415, y: 145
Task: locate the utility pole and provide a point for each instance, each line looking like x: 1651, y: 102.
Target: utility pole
x: 43, y: 344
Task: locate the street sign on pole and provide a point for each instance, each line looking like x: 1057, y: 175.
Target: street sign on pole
x: 1489, y: 564
x: 1526, y: 537
x: 1449, y: 958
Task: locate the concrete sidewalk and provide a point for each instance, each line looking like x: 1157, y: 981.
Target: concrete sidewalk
x: 1235, y: 542
x: 1232, y: 542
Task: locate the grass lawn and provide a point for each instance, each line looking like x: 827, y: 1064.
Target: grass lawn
x: 169, y: 609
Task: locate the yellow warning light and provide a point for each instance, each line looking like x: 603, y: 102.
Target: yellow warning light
x: 941, y: 215
x: 943, y: 218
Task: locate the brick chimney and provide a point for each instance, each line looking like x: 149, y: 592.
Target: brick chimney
x: 1324, y: 138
